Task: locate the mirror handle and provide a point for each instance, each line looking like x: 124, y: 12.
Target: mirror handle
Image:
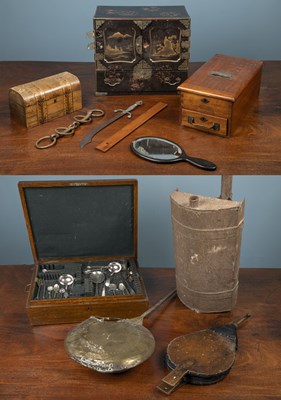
x: 201, y: 163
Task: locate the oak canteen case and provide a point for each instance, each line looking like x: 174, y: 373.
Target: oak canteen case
x: 219, y: 94
x: 45, y: 99
x: 83, y: 236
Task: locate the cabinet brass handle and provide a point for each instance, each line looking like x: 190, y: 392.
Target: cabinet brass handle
x: 172, y: 83
x: 215, y: 126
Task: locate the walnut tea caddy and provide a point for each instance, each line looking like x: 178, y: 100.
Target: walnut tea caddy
x: 37, y: 102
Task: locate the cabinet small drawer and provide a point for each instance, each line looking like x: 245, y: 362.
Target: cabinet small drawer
x: 206, y: 104
x: 205, y: 122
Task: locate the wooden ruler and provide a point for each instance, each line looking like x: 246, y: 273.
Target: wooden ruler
x: 129, y: 128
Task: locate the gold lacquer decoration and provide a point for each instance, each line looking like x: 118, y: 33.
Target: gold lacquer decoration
x: 98, y: 57
x: 119, y: 12
x: 100, y: 66
x: 139, y: 45
x: 165, y: 47
x: 184, y: 65
x: 99, y: 24
x: 185, y: 33
x: 119, y: 47
x: 167, y: 76
x: 113, y: 75
x: 185, y: 22
x: 142, y: 24
x: 185, y: 44
x: 141, y: 74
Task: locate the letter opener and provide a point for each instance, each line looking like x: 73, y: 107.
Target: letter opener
x: 88, y: 138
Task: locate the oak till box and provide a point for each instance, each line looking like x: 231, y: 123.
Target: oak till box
x: 219, y: 94
x: 75, y: 228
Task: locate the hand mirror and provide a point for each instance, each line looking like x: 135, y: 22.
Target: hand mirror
x: 165, y: 151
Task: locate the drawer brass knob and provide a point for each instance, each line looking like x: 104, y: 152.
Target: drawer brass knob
x: 214, y: 126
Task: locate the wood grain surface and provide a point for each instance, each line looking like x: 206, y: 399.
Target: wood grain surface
x: 34, y: 364
x: 254, y: 148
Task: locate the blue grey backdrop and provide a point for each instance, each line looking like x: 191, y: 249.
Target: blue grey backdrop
x: 55, y: 30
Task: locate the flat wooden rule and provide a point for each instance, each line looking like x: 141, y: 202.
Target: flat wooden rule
x: 129, y: 128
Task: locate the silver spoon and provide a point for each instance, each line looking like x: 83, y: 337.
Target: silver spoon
x: 106, y: 285
x: 97, y: 277
x: 122, y: 288
x: 66, y: 280
x: 112, y: 287
x: 56, y: 289
x: 62, y: 292
x: 50, y: 289
x: 91, y: 268
x: 114, y: 267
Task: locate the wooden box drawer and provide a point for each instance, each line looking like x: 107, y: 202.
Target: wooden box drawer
x: 205, y: 122
x: 206, y: 104
x: 219, y: 94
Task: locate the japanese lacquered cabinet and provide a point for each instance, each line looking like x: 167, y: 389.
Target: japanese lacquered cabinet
x: 140, y: 49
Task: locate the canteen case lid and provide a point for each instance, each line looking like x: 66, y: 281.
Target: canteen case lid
x: 71, y: 220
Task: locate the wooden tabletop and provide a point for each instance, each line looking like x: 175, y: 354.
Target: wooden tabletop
x: 34, y: 364
x: 255, y: 147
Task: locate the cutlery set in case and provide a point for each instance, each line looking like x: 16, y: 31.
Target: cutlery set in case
x: 83, y: 236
